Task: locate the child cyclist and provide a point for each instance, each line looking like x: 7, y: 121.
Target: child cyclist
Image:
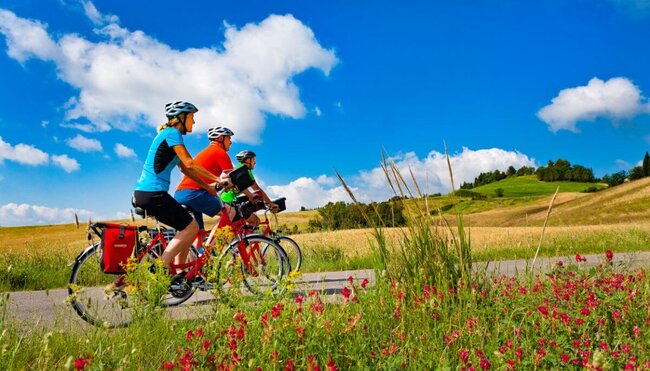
x: 167, y: 151
x: 247, y: 158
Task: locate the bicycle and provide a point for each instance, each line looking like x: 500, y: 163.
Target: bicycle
x: 112, y: 307
x: 290, y: 246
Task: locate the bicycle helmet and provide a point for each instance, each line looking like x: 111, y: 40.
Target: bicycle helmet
x: 176, y: 108
x: 216, y: 132
x: 243, y: 155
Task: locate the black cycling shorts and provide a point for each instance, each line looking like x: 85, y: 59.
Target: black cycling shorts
x: 164, y: 207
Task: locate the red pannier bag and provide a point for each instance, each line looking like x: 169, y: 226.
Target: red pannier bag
x: 118, y: 243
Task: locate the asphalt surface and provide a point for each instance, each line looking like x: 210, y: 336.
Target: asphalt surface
x: 49, y: 309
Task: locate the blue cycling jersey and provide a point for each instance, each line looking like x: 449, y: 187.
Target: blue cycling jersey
x: 161, y: 159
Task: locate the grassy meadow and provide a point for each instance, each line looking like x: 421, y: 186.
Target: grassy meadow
x: 500, y: 228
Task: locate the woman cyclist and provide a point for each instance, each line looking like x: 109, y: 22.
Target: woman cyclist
x: 167, y: 151
x: 247, y: 158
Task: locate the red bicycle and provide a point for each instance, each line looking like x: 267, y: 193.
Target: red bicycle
x: 104, y: 300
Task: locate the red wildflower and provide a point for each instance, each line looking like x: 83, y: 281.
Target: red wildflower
x: 560, y: 263
x: 519, y: 353
x: 351, y: 280
x: 313, y: 293
x: 580, y: 258
x: 609, y: 255
x: 265, y: 319
x: 233, y: 344
x: 300, y: 331
x: 364, y: 283
x: 331, y: 366
x: 636, y: 331
x: 616, y: 315
x: 400, y: 296
x: 289, y: 366
x: 276, y: 310
x: 199, y: 332
x: 168, y: 365
x: 235, y: 358
x: 80, y: 363
x: 206, y: 345
x: 485, y: 364
x: 346, y: 293
x: 299, y: 299
x: 543, y: 310
x: 464, y: 355
x: 190, y: 335
x: 240, y: 333
x: 565, y: 358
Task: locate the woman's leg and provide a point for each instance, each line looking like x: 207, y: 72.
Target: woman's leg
x: 179, y: 247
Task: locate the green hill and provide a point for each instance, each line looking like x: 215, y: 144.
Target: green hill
x: 529, y: 186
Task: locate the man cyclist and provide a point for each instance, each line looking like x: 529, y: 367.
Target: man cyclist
x: 247, y: 158
x: 216, y: 160
x: 168, y: 150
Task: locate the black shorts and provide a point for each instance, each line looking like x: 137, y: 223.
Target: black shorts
x: 164, y: 207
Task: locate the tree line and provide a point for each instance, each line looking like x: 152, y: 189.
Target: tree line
x: 340, y: 215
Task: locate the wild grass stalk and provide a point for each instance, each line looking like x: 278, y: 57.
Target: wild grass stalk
x: 427, y: 252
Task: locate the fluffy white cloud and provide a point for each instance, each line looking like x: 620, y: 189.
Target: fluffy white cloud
x: 24, y: 214
x: 431, y: 174
x: 617, y: 98
x: 123, y: 151
x: 83, y: 144
x: 22, y: 153
x: 66, y: 163
x: 307, y: 192
x: 130, y: 76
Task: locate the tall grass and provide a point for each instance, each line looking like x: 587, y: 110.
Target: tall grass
x: 429, y: 251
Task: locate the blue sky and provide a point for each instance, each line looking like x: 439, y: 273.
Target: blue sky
x: 312, y: 87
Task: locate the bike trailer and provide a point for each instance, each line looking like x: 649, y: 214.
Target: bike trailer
x: 118, y: 244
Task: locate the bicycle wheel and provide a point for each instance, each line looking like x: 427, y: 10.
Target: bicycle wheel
x: 262, y: 274
x: 293, y: 252
x: 93, y: 294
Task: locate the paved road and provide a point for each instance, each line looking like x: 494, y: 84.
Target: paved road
x: 48, y: 308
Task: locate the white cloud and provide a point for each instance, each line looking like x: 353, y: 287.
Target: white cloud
x: 44, y: 123
x: 306, y: 192
x: 83, y: 144
x: 326, y: 180
x: 123, y: 151
x: 25, y: 154
x: 66, y: 163
x: 318, y: 112
x: 617, y: 98
x: 24, y: 214
x: 95, y: 16
x: 128, y: 76
x: 26, y: 38
x: 431, y: 173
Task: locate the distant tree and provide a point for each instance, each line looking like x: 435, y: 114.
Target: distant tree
x: 499, y: 192
x: 526, y: 170
x: 615, y: 179
x: 466, y: 185
x: 646, y: 164
x: 636, y: 173
x: 511, y: 171
x: 302, y: 208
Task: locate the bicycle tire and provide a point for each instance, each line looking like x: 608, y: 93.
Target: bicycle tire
x: 267, y: 274
x: 88, y: 294
x: 293, y: 251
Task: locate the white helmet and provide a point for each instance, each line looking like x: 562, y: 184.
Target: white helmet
x: 216, y: 132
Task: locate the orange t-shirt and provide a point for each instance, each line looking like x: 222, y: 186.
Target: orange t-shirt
x: 214, y: 159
